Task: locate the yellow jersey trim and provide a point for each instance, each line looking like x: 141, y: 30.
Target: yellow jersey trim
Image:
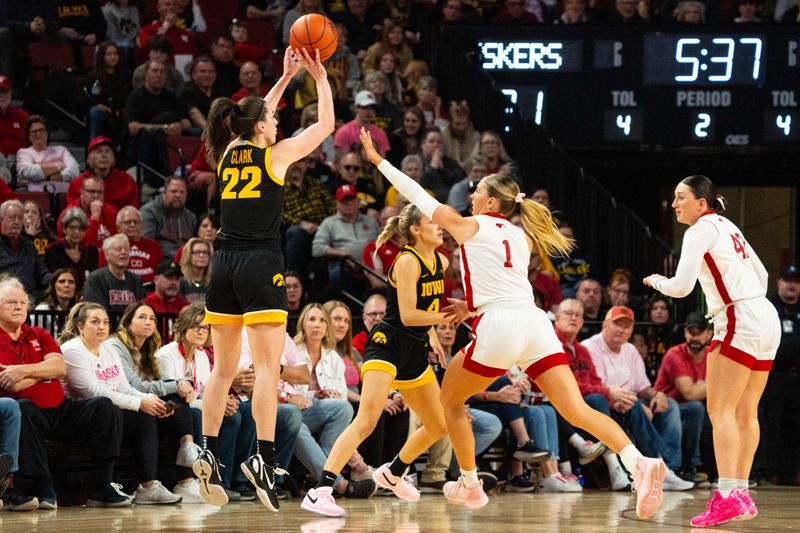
x: 223, y: 319
x: 380, y: 366
x: 426, y: 377
x: 259, y: 317
x: 267, y: 165
x: 431, y: 269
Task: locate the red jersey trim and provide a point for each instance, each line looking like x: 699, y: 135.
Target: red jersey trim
x: 712, y: 266
x: 474, y: 366
x: 739, y: 356
x: 546, y: 363
x: 467, y: 281
x: 495, y: 215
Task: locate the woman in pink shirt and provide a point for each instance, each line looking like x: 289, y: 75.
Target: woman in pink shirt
x: 40, y: 162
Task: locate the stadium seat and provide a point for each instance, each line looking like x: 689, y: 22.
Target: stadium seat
x: 56, y: 56
x: 189, y: 147
x: 226, y: 10
x: 261, y: 33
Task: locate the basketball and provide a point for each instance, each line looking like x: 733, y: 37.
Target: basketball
x: 314, y: 31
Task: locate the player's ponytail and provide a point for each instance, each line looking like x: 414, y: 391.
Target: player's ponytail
x: 537, y: 221
x: 401, y: 224
x: 227, y: 120
x: 702, y: 187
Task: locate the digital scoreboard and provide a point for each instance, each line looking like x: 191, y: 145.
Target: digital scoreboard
x: 670, y: 87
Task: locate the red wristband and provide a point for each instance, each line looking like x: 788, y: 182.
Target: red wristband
x: 485, y: 396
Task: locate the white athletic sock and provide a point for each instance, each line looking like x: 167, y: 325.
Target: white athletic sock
x: 630, y: 456
x: 611, y: 460
x: 577, y: 441
x: 470, y: 478
x: 726, y: 486
x: 742, y: 484
x: 565, y: 468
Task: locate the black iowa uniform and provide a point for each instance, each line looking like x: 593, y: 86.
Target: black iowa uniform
x: 247, y: 284
x: 400, y: 350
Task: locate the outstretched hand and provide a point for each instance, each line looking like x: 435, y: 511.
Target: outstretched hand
x: 652, y: 279
x: 369, y: 147
x: 312, y: 65
x: 291, y: 64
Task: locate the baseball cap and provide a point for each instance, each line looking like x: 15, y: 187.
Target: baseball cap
x: 619, y: 311
x: 791, y: 273
x: 345, y: 191
x: 365, y: 99
x: 168, y: 267
x: 696, y: 319
x: 99, y: 141
x: 5, y: 83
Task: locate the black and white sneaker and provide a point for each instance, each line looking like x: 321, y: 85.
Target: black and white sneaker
x: 262, y: 476
x: 5, y: 471
x: 206, y: 468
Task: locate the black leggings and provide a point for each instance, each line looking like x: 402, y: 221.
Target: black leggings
x: 140, y: 434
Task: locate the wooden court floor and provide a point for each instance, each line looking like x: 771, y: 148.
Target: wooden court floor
x: 593, y: 511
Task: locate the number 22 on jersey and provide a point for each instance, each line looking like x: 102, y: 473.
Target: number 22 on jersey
x: 250, y: 175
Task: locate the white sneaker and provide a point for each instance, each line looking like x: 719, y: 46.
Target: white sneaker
x: 156, y: 494
x: 188, y: 454
x: 673, y: 483
x: 557, y: 483
x: 189, y: 492
x: 619, y: 479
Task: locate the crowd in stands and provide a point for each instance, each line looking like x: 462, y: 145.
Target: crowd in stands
x: 119, y: 253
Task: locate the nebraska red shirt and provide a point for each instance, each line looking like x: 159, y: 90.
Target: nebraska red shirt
x: 180, y: 38
x: 12, y: 130
x: 98, y: 230
x: 386, y: 256
x: 120, y: 189
x: 31, y: 347
x: 161, y: 306
x: 678, y: 362
x: 550, y: 289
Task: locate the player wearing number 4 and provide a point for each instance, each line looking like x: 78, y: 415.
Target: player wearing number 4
x: 509, y: 329
x: 247, y: 287
x: 396, y: 357
x: 746, y: 337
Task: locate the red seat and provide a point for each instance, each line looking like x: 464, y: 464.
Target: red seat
x: 87, y: 56
x: 261, y: 33
x: 189, y: 147
x: 222, y: 9
x: 42, y: 199
x: 51, y: 55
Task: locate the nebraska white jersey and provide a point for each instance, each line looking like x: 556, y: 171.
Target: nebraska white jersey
x: 716, y: 253
x: 494, y: 263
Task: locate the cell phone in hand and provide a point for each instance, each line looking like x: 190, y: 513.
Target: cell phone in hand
x: 171, y: 405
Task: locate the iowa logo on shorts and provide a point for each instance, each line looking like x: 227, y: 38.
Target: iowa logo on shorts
x: 277, y: 280
x: 379, y: 338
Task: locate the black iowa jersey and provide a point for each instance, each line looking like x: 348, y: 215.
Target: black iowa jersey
x: 430, y: 288
x: 251, y: 198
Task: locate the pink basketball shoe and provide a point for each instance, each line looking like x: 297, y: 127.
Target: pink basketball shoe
x: 458, y: 493
x: 320, y: 501
x: 749, y: 504
x: 401, y: 486
x: 648, y: 478
x: 721, y: 510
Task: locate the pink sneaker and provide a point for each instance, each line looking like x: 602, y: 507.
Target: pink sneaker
x: 648, y: 477
x: 320, y: 501
x: 458, y: 493
x: 401, y: 486
x: 749, y: 504
x: 721, y: 510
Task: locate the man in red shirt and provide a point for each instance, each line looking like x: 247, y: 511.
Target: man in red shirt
x: 682, y: 376
x: 12, y: 121
x: 374, y: 311
x: 30, y: 368
x: 120, y: 187
x: 167, y: 24
x: 145, y: 254
x: 166, y: 299
x: 544, y: 282
x: 102, y: 215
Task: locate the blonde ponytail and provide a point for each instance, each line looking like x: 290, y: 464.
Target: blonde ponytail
x: 409, y: 216
x: 540, y: 227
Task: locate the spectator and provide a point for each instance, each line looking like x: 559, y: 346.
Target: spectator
x: 407, y: 140
x: 310, y: 116
x: 245, y: 51
x: 414, y: 72
x: 190, y: 15
x: 343, y: 65
x: 306, y: 204
x: 439, y: 171
x: 166, y: 299
x: 575, y: 12
x: 497, y: 159
x: 658, y: 335
x: 159, y: 48
x: 295, y: 299
x: 36, y: 227
x: 361, y: 19
x: 154, y: 112
x: 344, y: 234
x: 392, y: 40
x: 381, y: 259
x: 568, y: 322
x: 749, y: 12
x: 781, y: 402
x: 342, y: 325
x: 62, y: 292
x: 352, y: 173
x: 146, y: 254
x: 325, y: 409
x: 515, y: 14
x: 388, y: 65
x: 33, y: 365
x: 81, y: 21
x: 107, y: 89
x: 690, y: 12
x: 71, y: 251
x: 301, y: 8
x: 459, y: 137
x: 120, y: 189
x: 411, y: 166
x: 40, y: 162
x: 374, y: 311
x: 199, y: 94
x: 101, y: 215
x: 112, y: 286
x: 207, y: 228
x: 166, y: 219
x: 430, y: 103
x: 195, y: 265
x: 453, y: 286
x: 222, y: 52
x: 544, y: 282
x: 122, y: 24
x: 94, y: 370
x: 346, y: 137
x: 649, y: 416
x: 387, y: 114
x: 459, y: 197
x: 167, y: 25
x: 625, y: 14
x: 589, y: 293
x: 574, y: 268
x: 682, y: 377
x: 618, y: 290
x: 136, y: 343
x: 20, y: 24
x: 250, y: 79
x: 18, y: 256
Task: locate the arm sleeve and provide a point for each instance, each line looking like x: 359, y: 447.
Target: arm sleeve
x: 81, y: 378
x: 410, y: 189
x: 696, y: 242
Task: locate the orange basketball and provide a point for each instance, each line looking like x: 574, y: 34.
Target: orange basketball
x: 314, y: 31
